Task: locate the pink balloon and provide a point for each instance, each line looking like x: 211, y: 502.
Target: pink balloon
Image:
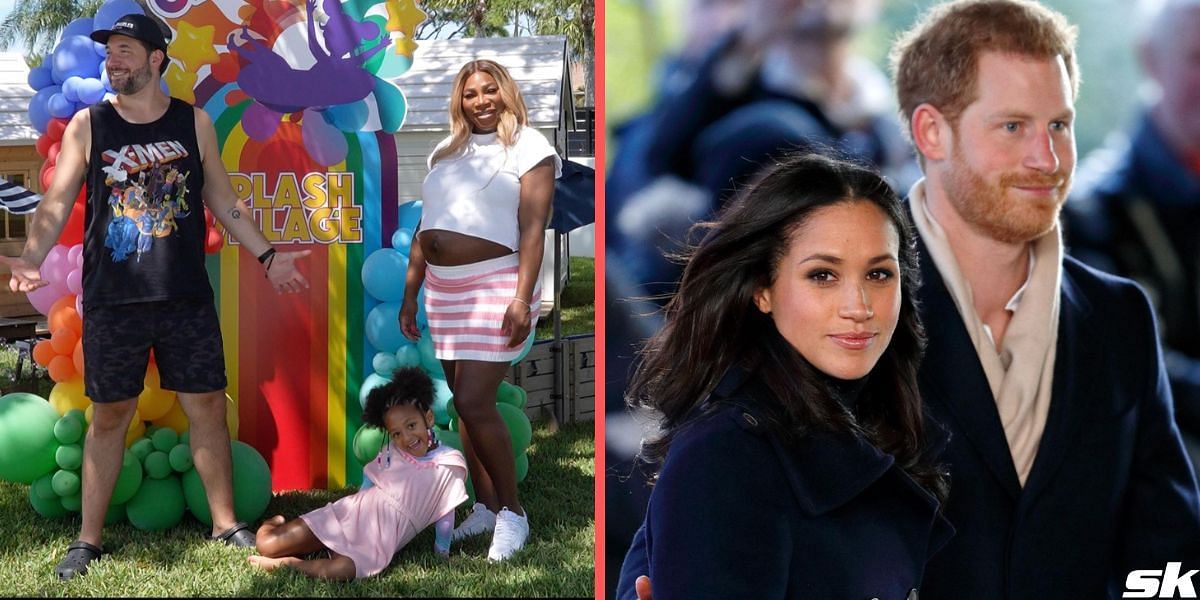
x: 79, y: 304
x: 260, y: 122
x: 325, y: 143
x: 75, y: 255
x: 75, y: 281
x: 43, y: 298
x: 55, y: 267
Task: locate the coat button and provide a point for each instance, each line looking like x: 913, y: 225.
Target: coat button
x: 749, y: 419
x: 912, y: 594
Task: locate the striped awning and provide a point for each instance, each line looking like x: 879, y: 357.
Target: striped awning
x: 16, y: 199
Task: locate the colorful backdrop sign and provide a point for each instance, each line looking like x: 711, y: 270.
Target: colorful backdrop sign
x: 304, y: 114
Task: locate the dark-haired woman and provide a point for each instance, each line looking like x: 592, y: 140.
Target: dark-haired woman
x: 792, y: 462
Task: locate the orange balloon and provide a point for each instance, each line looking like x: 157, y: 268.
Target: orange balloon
x: 63, y: 314
x: 77, y: 357
x: 43, y: 353
x: 61, y: 369
x: 63, y: 341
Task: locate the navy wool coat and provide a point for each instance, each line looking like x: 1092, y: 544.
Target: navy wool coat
x: 736, y: 514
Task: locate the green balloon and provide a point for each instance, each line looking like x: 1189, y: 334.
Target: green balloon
x: 510, y: 394
x: 164, y: 439
x: 180, y: 458
x: 129, y: 480
x: 449, y: 438
x: 69, y: 457
x: 157, y: 505
x: 65, y: 483
x: 158, y: 465
x: 78, y: 415
x: 186, y: 437
x: 51, y: 508
x: 67, y: 430
x: 115, y: 514
x: 44, y: 488
x: 518, y: 427
x: 27, y: 442
x: 142, y: 448
x: 368, y: 441
x: 251, y: 486
x: 450, y: 410
x: 522, y: 466
x: 73, y: 503
x: 453, y: 424
x: 151, y: 430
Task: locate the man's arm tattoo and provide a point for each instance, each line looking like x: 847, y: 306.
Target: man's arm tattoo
x: 235, y: 213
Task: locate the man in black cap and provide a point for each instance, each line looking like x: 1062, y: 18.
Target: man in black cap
x: 145, y: 286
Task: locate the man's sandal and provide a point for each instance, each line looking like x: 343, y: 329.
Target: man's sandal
x: 79, y: 554
x: 239, y: 535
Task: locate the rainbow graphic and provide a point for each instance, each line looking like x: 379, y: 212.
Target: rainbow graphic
x: 305, y: 118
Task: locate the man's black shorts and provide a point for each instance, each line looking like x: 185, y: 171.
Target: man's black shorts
x: 186, y: 338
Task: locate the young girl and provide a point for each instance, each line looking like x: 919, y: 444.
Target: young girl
x: 418, y: 482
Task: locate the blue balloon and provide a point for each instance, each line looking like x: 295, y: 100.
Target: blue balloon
x: 429, y: 360
x: 526, y: 348
x: 40, y: 77
x: 384, y: 363
x: 81, y: 26
x: 101, y: 50
x: 383, y: 327
x: 422, y: 318
x: 372, y: 381
x: 39, y: 113
x: 408, y: 355
x: 59, y: 106
x: 348, y: 117
x: 105, y: 81
x: 383, y: 275
x: 74, y: 56
x: 112, y: 10
x: 441, y: 400
x: 70, y: 88
x: 409, y: 215
x: 402, y: 240
x: 91, y: 90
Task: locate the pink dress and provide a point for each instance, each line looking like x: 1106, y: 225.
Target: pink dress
x: 409, y: 495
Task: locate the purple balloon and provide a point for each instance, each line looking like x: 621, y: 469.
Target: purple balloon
x: 56, y: 267
x: 260, y: 122
x: 43, y: 298
x: 75, y: 281
x: 75, y: 255
x: 325, y: 143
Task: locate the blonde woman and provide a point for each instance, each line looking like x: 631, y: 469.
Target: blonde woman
x: 485, y: 205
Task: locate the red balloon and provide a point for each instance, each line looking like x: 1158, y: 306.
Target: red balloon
x: 47, y: 174
x: 213, y: 241
x: 52, y: 152
x: 55, y: 129
x: 73, y: 233
x: 42, y: 145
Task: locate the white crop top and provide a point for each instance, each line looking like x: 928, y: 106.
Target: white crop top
x: 476, y: 190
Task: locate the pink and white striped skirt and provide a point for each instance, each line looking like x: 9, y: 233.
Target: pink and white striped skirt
x: 465, y: 306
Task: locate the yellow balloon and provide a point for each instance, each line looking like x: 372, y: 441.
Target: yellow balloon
x: 137, y: 428
x: 154, y: 402
x: 69, y: 394
x: 175, y: 419
x: 231, y: 416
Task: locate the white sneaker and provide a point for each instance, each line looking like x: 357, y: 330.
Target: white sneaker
x: 511, y: 531
x: 481, y: 520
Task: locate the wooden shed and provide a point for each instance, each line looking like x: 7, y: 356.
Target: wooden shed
x: 19, y: 164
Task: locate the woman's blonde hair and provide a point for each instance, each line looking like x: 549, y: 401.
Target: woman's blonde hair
x: 513, y: 117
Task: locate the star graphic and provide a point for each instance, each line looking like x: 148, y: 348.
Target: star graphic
x: 193, y: 45
x: 405, y: 46
x: 181, y: 83
x: 404, y: 16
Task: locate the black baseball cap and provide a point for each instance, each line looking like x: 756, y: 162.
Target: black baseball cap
x: 139, y: 27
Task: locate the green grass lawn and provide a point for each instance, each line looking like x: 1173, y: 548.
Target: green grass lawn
x: 578, y: 302
x: 557, y: 561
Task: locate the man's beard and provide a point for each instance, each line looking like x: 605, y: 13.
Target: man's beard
x: 995, y: 211
x: 134, y: 81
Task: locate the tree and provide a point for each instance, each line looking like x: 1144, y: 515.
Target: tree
x: 40, y: 21
x: 574, y: 19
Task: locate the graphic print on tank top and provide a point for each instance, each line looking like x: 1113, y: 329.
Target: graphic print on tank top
x: 149, y: 193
